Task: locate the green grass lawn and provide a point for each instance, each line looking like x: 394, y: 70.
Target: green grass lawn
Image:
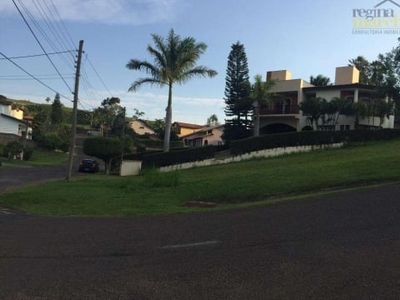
x: 237, y: 184
x: 39, y: 158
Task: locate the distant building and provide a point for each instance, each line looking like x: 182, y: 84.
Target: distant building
x: 183, y: 129
x: 207, y: 135
x: 141, y: 127
x: 283, y: 114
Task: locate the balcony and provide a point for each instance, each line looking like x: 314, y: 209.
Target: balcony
x: 280, y: 110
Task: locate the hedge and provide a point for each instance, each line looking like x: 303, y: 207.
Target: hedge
x: 309, y: 138
x: 161, y: 159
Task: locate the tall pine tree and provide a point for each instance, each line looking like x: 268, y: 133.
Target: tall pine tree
x: 238, y: 102
x: 56, y: 115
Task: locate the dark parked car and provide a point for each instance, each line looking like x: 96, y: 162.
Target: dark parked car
x: 89, y: 165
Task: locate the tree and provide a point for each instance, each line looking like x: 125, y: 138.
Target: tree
x: 237, y: 95
x: 320, y: 80
x: 159, y: 129
x: 56, y: 115
x: 363, y: 65
x: 109, y: 116
x: 138, y: 114
x: 260, y: 95
x: 382, y: 109
x: 312, y: 109
x: 174, y: 61
x: 212, y: 120
x: 104, y: 148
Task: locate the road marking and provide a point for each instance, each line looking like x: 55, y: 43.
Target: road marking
x: 208, y: 243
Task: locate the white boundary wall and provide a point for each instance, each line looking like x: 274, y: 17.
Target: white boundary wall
x: 130, y: 167
x: 257, y: 154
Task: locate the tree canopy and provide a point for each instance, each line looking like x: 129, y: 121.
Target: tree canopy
x: 320, y: 80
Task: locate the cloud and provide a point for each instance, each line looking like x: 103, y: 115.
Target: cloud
x: 137, y: 12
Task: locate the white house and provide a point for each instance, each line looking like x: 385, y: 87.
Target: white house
x: 12, y: 122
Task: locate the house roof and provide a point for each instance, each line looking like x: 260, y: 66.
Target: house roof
x: 188, y: 125
x: 13, y: 118
x: 203, y: 132
x: 340, y: 87
x: 143, y: 122
x: 29, y: 118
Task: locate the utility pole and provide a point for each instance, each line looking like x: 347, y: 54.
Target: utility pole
x: 74, y: 112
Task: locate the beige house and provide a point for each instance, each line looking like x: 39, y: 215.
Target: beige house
x: 141, y: 127
x: 183, y: 129
x: 208, y: 135
x: 284, y: 115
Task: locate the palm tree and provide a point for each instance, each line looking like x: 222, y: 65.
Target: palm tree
x: 320, y: 80
x: 174, y: 62
x: 259, y: 93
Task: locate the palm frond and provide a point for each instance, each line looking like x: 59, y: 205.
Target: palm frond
x: 138, y: 83
x: 199, y: 71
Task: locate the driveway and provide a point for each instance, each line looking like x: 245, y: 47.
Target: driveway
x: 340, y: 246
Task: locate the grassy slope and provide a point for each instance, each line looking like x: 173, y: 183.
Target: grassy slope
x: 250, y: 181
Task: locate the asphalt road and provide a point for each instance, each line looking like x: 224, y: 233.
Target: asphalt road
x: 341, y: 246
x: 15, y: 177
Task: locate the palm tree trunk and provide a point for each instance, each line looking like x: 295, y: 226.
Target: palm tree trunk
x: 168, y: 120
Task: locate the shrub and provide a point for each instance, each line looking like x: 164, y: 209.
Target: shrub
x: 13, y: 149
x: 104, y: 148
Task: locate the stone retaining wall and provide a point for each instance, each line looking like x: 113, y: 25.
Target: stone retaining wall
x: 257, y: 154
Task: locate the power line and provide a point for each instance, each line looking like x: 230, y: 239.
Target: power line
x: 38, y: 80
x: 52, y: 25
x: 37, y: 55
x: 44, y: 51
x: 71, y: 41
x: 101, y: 80
x: 39, y: 76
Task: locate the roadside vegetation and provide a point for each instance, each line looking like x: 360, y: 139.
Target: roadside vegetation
x: 39, y: 157
x: 260, y: 181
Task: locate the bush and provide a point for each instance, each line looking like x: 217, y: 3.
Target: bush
x: 104, y: 148
x: 13, y: 149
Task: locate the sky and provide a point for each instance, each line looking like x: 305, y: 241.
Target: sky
x: 305, y: 37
